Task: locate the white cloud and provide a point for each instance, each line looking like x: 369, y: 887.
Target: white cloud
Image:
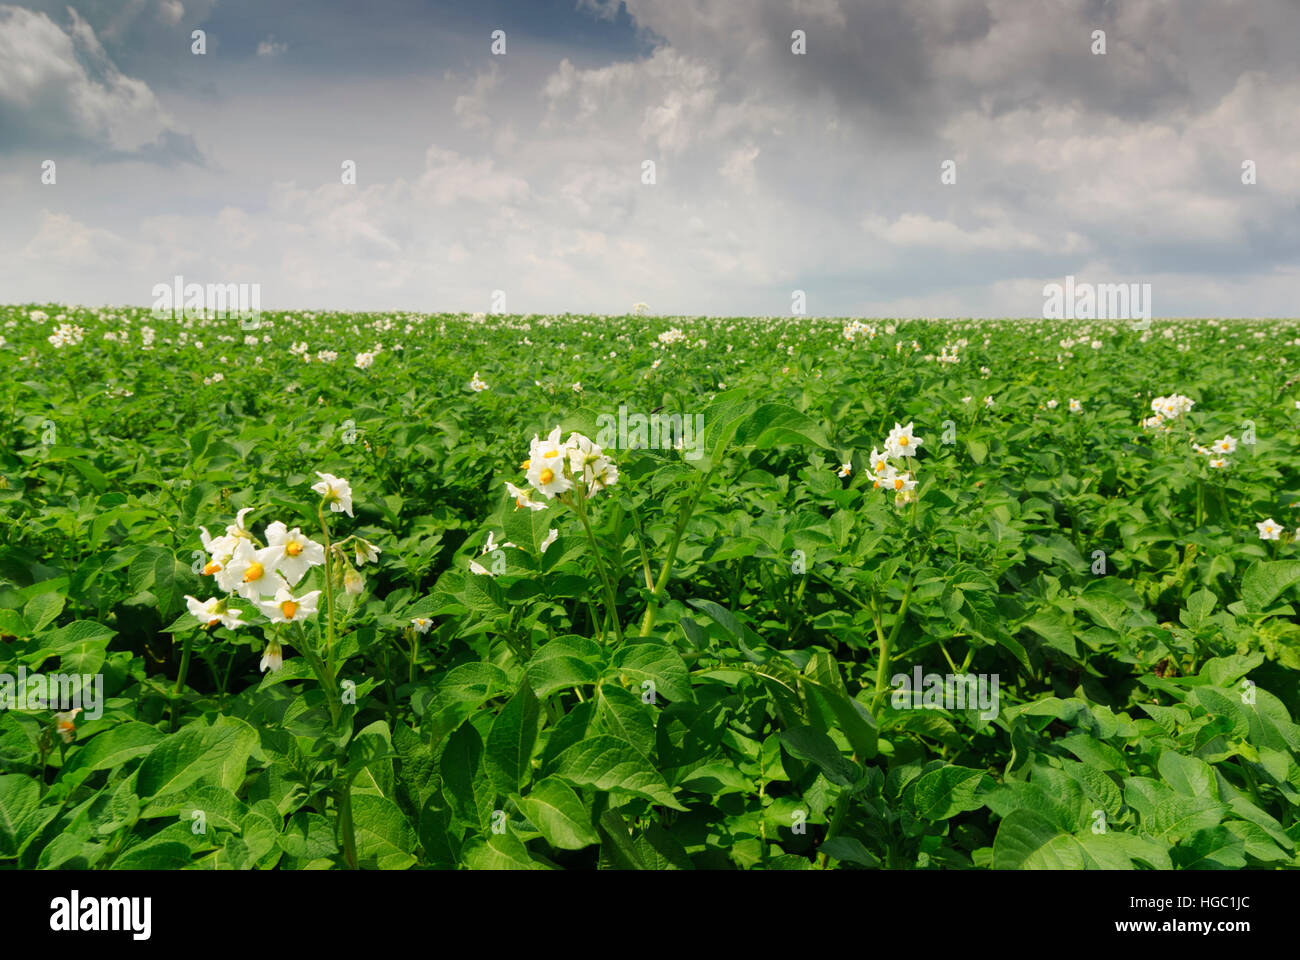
x: 58, y: 86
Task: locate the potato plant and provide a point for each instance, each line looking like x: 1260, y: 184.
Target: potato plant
x: 400, y: 591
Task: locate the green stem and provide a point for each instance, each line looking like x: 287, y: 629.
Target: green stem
x: 661, y: 585
x: 329, y: 589
x: 180, y: 675
x: 611, y: 599
x: 882, y: 668
x: 330, y: 680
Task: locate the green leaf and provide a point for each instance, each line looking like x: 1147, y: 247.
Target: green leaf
x: 1026, y: 840
x: 41, y: 610
x: 608, y: 763
x: 774, y: 424
x: 1199, y: 607
x: 554, y: 808
x: 155, y: 855
x: 384, y: 837
x: 498, y: 851
x: 1265, y: 581
x: 109, y: 749
x: 194, y: 753
x: 622, y: 714
x: 1189, y: 776
x: 947, y: 791
x: 812, y: 745
x: 19, y: 797
x: 467, y: 789
x: 562, y: 663
x: 659, y: 664
x: 853, y: 719
x: 509, y: 747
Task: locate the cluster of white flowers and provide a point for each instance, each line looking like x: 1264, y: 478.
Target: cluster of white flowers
x: 1165, y: 410
x: 1218, y: 451
x: 264, y: 576
x: 902, y: 444
x: 476, y: 384
x: 66, y: 334
x: 949, y: 354
x: 670, y: 336
x: 552, y: 469
x: 364, y: 360
x: 856, y: 328
x: 267, y: 576
x: 326, y: 356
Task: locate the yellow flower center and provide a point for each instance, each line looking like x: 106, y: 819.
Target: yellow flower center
x: 898, y: 483
x: 526, y: 464
x: 904, y: 441
x: 293, y: 549
x: 254, y: 572
x: 550, y: 454
x: 211, y: 568
x: 288, y: 608
x: 547, y: 476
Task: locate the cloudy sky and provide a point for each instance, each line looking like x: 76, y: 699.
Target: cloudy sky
x: 773, y: 171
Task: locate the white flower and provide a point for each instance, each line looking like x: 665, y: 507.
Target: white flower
x: 421, y: 624
x: 1076, y: 406
x: 1052, y: 404
x: 1218, y: 463
x: 476, y: 384
x: 491, y: 544
x: 353, y: 582
x: 522, y: 498
x: 364, y: 360
x: 546, y: 466
x: 219, y: 550
x: 967, y: 400
x: 1227, y: 445
x: 251, y: 572
x: 365, y: 552
x: 879, y: 462
x: 845, y: 469
x: 300, y: 552
x: 64, y: 723
x: 902, y: 441
x: 286, y: 608
x: 1268, y: 530
x: 988, y: 402
x: 336, y: 491
x: 272, y: 657
x: 551, y: 536
x: 213, y: 612
x: 898, y: 482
